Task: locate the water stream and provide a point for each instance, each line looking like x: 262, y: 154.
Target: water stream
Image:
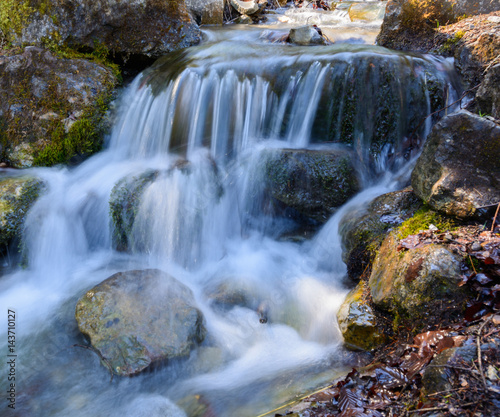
x: 215, y: 108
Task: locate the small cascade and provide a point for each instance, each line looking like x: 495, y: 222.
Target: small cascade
x: 185, y: 185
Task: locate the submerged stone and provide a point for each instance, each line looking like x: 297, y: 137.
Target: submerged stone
x: 312, y: 182
x: 137, y: 318
x: 357, y: 321
x: 459, y: 168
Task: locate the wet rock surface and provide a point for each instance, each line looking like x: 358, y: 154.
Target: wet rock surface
x: 207, y: 12
x: 459, y: 168
x: 17, y: 196
x: 314, y: 183
x: 137, y: 318
x: 364, y: 229
x: 51, y: 109
x: 306, y: 35
x: 358, y: 322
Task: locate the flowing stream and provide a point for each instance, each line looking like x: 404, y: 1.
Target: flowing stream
x: 216, y: 108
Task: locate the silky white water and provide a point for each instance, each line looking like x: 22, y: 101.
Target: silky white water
x: 211, y: 110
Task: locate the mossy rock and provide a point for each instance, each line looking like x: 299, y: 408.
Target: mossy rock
x: 314, y: 183
x: 357, y: 321
x: 137, y: 318
x: 418, y: 286
x: 364, y: 229
x: 17, y: 196
x: 127, y: 28
x: 52, y: 109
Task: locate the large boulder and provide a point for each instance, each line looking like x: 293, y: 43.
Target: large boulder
x: 17, y: 196
x: 137, y: 318
x: 147, y: 28
x: 51, y: 109
x: 357, y: 321
x: 312, y: 182
x: 414, y: 284
x: 207, y: 12
x: 459, y: 168
x: 488, y: 94
x: 363, y: 229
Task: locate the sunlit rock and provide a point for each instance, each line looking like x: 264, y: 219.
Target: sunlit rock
x: 124, y: 204
x: 207, y: 12
x: 306, y: 35
x: 17, y: 196
x: 312, y: 182
x: 414, y: 284
x: 137, y: 318
x: 459, y: 168
x: 364, y: 229
x: 357, y: 321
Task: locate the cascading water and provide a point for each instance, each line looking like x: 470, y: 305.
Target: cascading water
x: 191, y: 135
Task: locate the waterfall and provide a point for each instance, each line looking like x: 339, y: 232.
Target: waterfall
x: 188, y: 148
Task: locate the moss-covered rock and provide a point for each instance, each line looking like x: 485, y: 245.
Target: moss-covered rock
x: 314, y: 183
x: 415, y: 284
x: 137, y: 318
x: 459, y: 168
x: 357, y: 321
x: 17, y: 196
x: 52, y: 109
x: 364, y: 229
x: 147, y: 28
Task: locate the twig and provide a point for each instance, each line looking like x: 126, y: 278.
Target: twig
x: 491, y: 64
x: 441, y: 408
x: 103, y: 359
x: 495, y: 218
x: 452, y: 367
x: 444, y: 108
x: 445, y: 392
x: 479, y: 359
x: 472, y: 263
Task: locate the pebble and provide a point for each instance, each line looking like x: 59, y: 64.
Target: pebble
x: 476, y: 247
x: 494, y: 19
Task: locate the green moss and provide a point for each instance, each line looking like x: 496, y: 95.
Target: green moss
x: 450, y: 42
x: 421, y: 220
x: 14, y: 16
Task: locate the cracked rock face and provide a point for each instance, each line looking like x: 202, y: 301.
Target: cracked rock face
x: 459, y: 168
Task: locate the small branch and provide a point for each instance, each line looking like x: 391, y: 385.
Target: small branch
x: 479, y: 358
x: 441, y: 408
x: 495, y: 218
x: 103, y: 359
